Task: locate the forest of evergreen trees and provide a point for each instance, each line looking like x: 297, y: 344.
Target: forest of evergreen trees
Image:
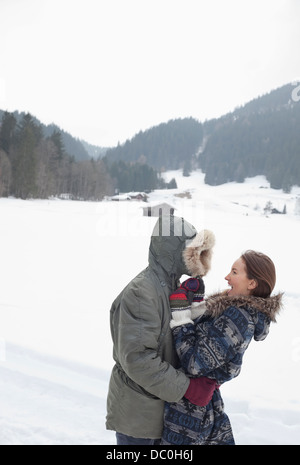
x: 35, y: 166
x: 261, y: 138
x: 136, y: 177
x: 168, y: 146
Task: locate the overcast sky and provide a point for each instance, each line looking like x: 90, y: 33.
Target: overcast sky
x: 105, y: 69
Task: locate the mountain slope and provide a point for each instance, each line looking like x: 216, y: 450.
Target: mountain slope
x: 260, y: 138
x: 167, y: 146
x: 73, y: 146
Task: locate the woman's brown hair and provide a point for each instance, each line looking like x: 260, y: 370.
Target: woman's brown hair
x: 260, y: 268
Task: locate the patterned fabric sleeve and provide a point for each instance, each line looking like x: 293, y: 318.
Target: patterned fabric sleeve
x: 214, y: 347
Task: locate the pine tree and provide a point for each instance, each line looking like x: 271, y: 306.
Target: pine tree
x: 25, y: 158
x: 5, y: 174
x: 58, y: 142
x: 7, y: 131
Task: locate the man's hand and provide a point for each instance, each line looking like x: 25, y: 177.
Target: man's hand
x: 200, y: 391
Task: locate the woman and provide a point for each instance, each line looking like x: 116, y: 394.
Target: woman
x: 214, y: 343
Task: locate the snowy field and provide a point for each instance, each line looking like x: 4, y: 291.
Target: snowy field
x: 63, y: 263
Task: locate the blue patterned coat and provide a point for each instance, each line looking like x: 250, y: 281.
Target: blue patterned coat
x: 213, y: 346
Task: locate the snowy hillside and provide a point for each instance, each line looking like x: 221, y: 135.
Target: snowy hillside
x: 63, y: 263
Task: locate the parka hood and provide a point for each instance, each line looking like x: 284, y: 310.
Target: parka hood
x: 198, y: 253
x: 178, y: 249
x: 262, y: 310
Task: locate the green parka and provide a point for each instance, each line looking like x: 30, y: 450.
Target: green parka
x: 146, y: 365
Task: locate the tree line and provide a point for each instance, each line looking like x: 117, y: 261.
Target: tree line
x: 136, y: 177
x: 261, y: 138
x: 168, y: 146
x: 35, y: 165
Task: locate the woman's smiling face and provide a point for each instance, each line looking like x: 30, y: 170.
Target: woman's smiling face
x: 238, y: 280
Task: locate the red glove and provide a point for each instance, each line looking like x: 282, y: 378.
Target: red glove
x: 200, y: 391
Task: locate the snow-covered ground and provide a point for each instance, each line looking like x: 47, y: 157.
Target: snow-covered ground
x: 63, y: 263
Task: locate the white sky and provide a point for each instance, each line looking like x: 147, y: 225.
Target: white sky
x: 105, y: 69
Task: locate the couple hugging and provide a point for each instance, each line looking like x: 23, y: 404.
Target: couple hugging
x: 173, y: 348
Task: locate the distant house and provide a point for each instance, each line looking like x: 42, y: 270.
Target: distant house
x: 120, y: 197
x: 159, y: 210
x: 141, y: 196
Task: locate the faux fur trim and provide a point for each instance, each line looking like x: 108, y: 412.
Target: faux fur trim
x: 197, y: 254
x: 217, y: 304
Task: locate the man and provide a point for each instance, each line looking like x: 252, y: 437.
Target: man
x: 146, y: 372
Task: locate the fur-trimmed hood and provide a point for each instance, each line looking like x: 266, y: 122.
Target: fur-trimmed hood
x: 198, y: 253
x: 177, y: 248
x: 262, y: 311
x: 216, y: 304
